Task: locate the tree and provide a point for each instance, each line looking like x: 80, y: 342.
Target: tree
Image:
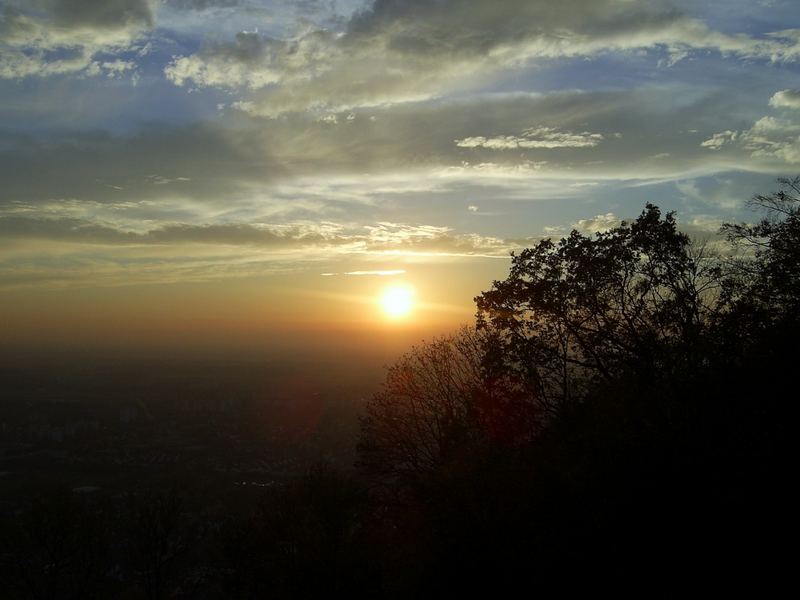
x: 439, y: 400
x: 155, y: 540
x: 57, y: 548
x: 638, y: 388
x: 767, y: 278
x: 584, y: 310
x: 303, y: 541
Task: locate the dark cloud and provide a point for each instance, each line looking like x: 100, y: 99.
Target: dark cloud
x: 62, y: 230
x: 198, y: 161
x: 83, y: 231
x: 474, y: 26
x: 399, y: 51
x: 248, y: 47
x: 379, y: 238
x: 202, y: 4
x: 99, y: 13
x: 39, y: 38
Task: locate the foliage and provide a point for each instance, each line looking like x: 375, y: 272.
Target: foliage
x: 767, y: 278
x: 440, y: 399
x: 301, y: 541
x: 586, y: 310
x: 646, y: 377
x: 56, y: 549
x: 155, y: 540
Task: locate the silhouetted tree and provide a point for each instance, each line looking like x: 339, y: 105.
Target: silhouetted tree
x: 441, y: 400
x: 155, y: 540
x: 56, y: 549
x: 766, y: 279
x: 301, y: 542
x: 646, y: 375
x: 583, y: 311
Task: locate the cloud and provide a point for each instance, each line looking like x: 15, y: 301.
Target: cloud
x: 597, y: 224
x: 300, y: 164
x: 66, y: 251
x: 379, y: 238
x: 535, y: 137
x: 387, y: 130
x: 401, y: 51
x: 725, y: 193
x: 241, y: 63
x: 786, y: 99
x: 155, y: 162
x: 202, y: 4
x: 49, y: 37
x: 718, y: 140
x: 427, y: 239
x: 117, y: 68
x: 768, y: 138
x: 554, y: 231
x: 384, y: 273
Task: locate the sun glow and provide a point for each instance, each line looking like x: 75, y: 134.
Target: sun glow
x: 397, y: 301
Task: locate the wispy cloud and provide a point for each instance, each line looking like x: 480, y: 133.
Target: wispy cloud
x: 376, y: 273
x: 769, y: 138
x: 535, y: 137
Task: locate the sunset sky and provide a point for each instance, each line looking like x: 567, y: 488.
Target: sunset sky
x: 243, y: 174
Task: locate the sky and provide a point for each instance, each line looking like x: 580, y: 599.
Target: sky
x: 249, y: 176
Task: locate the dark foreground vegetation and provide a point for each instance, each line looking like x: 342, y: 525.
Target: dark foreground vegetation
x: 618, y: 419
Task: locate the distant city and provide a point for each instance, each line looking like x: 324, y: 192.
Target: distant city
x: 104, y: 429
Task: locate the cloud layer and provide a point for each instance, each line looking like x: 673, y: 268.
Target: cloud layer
x: 399, y: 51
x: 39, y: 38
x: 214, y: 138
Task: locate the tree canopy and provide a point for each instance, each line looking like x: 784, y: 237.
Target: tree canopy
x: 439, y: 399
x: 642, y: 407
x: 586, y: 309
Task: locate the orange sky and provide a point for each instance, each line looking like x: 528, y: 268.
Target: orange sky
x: 309, y: 311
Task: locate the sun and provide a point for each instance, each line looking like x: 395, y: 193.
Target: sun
x: 397, y: 300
